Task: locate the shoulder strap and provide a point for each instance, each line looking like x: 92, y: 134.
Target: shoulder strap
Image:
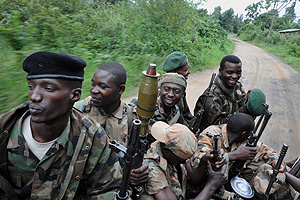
x: 71, y: 167
x: 129, y: 116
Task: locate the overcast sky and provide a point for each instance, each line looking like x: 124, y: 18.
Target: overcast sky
x: 237, y: 5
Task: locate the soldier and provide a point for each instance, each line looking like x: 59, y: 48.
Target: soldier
x: 49, y: 149
x: 172, y: 88
x: 107, y: 108
x: 233, y: 137
x: 177, y: 62
x: 166, y: 158
x: 227, y: 96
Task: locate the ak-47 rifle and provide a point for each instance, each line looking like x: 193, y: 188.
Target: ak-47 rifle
x: 276, y: 171
x: 194, y: 125
x: 128, y: 155
x: 237, y: 167
x: 215, y: 151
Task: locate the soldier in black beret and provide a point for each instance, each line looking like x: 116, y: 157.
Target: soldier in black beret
x: 54, y: 150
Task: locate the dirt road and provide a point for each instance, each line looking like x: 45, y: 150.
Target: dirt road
x: 280, y: 83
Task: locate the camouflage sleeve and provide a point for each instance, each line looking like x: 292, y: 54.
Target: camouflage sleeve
x: 204, y: 146
x: 157, y: 180
x: 103, y: 169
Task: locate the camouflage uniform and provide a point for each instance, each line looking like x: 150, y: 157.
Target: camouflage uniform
x: 160, y: 115
x: 182, y: 142
x: 265, y: 154
x: 162, y: 174
x: 96, y: 172
x: 116, y: 124
x: 221, y: 103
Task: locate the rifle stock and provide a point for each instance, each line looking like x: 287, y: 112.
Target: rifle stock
x: 194, y: 125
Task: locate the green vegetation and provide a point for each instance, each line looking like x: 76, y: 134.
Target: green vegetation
x: 261, y: 29
x: 134, y: 34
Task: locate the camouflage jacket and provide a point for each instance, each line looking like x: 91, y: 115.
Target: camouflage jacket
x: 96, y: 175
x: 116, y: 124
x: 160, y: 115
x: 221, y: 103
x: 162, y: 174
x: 205, y: 144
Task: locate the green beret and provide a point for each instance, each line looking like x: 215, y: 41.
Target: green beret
x: 46, y: 64
x: 255, y: 101
x: 174, y: 78
x: 174, y: 60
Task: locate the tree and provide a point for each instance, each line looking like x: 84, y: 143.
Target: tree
x: 273, y: 6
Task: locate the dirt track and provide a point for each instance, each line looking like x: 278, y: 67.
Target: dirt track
x: 280, y: 83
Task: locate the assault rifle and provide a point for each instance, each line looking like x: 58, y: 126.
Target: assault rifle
x: 215, y: 151
x: 237, y: 167
x: 128, y: 157
x: 194, y: 125
x: 276, y: 170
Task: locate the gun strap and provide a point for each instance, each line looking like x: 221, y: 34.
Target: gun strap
x: 71, y: 166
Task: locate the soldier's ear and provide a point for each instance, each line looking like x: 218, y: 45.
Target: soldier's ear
x: 75, y: 94
x: 220, y: 71
x: 121, y: 89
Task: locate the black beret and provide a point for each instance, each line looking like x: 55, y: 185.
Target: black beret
x: 46, y: 64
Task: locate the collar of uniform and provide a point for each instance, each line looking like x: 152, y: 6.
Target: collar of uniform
x: 163, y: 163
x: 17, y: 139
x: 65, y: 135
x: 174, y: 110
x: 224, y: 136
x: 117, y: 113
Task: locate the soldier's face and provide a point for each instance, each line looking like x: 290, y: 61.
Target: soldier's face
x: 172, y: 158
x: 184, y: 71
x: 103, y: 90
x: 231, y: 74
x: 50, y: 100
x: 171, y: 93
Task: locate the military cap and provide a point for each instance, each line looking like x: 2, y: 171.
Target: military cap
x: 177, y: 137
x: 261, y: 180
x: 174, y: 60
x: 46, y: 64
x: 255, y: 101
x: 174, y: 78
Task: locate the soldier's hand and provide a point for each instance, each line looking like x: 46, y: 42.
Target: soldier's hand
x: 139, y: 175
x: 217, y: 178
x: 244, y: 153
x: 206, y: 157
x: 221, y: 159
